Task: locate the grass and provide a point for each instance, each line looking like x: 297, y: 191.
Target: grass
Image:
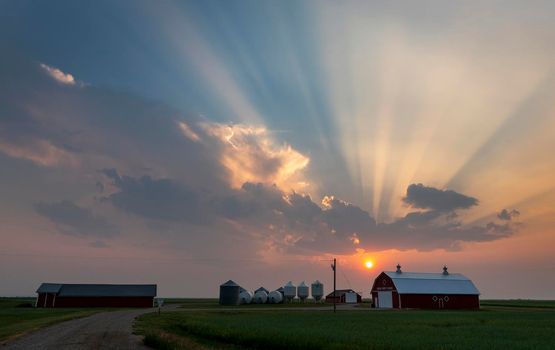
x: 524, y: 303
x: 18, y: 316
x: 212, y: 303
x: 489, y: 328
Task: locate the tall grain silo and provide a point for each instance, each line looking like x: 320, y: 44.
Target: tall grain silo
x: 275, y: 297
x: 302, y: 291
x: 229, y: 293
x: 289, y: 291
x: 317, y: 290
x: 245, y: 297
x: 260, y: 297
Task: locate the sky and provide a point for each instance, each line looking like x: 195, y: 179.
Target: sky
x: 187, y: 143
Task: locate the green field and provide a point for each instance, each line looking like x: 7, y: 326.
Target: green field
x: 18, y: 316
x: 513, y: 325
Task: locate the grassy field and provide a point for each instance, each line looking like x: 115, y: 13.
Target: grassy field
x: 189, y: 303
x: 18, y: 316
x: 524, y: 326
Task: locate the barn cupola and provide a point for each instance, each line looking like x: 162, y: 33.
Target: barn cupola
x: 399, y: 269
x: 445, y: 270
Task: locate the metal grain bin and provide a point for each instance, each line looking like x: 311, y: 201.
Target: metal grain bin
x: 229, y: 293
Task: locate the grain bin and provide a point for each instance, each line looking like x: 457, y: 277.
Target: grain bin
x: 245, y: 297
x: 262, y: 289
x: 260, y: 297
x: 302, y: 291
x: 275, y: 297
x: 289, y: 291
x: 229, y: 293
x: 317, y: 290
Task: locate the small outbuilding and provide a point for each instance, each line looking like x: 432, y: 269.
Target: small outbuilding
x: 441, y: 290
x: 344, y: 296
x: 95, y: 295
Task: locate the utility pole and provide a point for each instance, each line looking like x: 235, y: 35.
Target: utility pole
x: 334, y: 268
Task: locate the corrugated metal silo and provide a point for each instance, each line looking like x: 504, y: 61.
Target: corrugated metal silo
x: 260, y: 297
x: 275, y: 297
x: 302, y: 291
x: 245, y: 297
x: 289, y: 291
x: 317, y: 290
x: 229, y: 293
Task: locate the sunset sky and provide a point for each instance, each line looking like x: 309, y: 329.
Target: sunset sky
x: 187, y: 143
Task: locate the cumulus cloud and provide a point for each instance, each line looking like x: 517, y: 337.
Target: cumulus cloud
x: 251, y: 155
x: 508, y: 215
x: 75, y: 220
x: 422, y: 197
x: 58, y: 75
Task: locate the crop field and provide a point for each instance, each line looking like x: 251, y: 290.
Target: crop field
x: 513, y: 325
x: 18, y: 316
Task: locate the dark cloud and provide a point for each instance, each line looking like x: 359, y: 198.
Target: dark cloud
x: 73, y: 219
x: 158, y: 199
x: 508, y: 215
x: 422, y: 197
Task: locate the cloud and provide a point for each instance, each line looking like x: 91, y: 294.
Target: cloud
x: 159, y: 173
x: 508, y: 215
x: 157, y: 199
x: 75, y: 220
x: 251, y: 155
x: 58, y: 75
x: 41, y: 152
x: 422, y: 197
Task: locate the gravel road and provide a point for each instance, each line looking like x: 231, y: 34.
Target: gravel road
x: 105, y: 330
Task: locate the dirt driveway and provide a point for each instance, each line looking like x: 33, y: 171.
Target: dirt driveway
x: 105, y: 330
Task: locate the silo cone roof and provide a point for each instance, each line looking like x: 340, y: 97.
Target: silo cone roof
x: 229, y: 283
x: 317, y: 282
x: 261, y: 289
x: 289, y: 284
x: 302, y: 284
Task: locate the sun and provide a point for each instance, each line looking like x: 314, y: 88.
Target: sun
x: 369, y: 264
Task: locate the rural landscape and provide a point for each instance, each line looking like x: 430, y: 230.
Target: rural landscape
x: 277, y: 174
x: 204, y: 324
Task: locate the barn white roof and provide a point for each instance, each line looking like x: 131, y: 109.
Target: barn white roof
x: 432, y: 283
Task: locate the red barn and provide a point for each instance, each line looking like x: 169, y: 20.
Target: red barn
x: 424, y: 290
x: 95, y: 295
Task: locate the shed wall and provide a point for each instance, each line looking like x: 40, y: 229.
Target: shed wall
x: 93, y: 301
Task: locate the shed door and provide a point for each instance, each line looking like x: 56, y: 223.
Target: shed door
x: 350, y: 298
x: 385, y: 300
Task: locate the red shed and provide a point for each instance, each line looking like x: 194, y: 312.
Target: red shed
x: 95, y: 295
x: 442, y: 290
x: 344, y: 296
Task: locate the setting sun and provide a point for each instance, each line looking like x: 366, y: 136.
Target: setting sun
x: 369, y: 264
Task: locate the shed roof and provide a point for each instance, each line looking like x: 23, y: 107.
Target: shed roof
x: 432, y: 283
x: 99, y: 290
x: 340, y: 292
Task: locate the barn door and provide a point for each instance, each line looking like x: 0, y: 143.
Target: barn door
x: 385, y: 300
